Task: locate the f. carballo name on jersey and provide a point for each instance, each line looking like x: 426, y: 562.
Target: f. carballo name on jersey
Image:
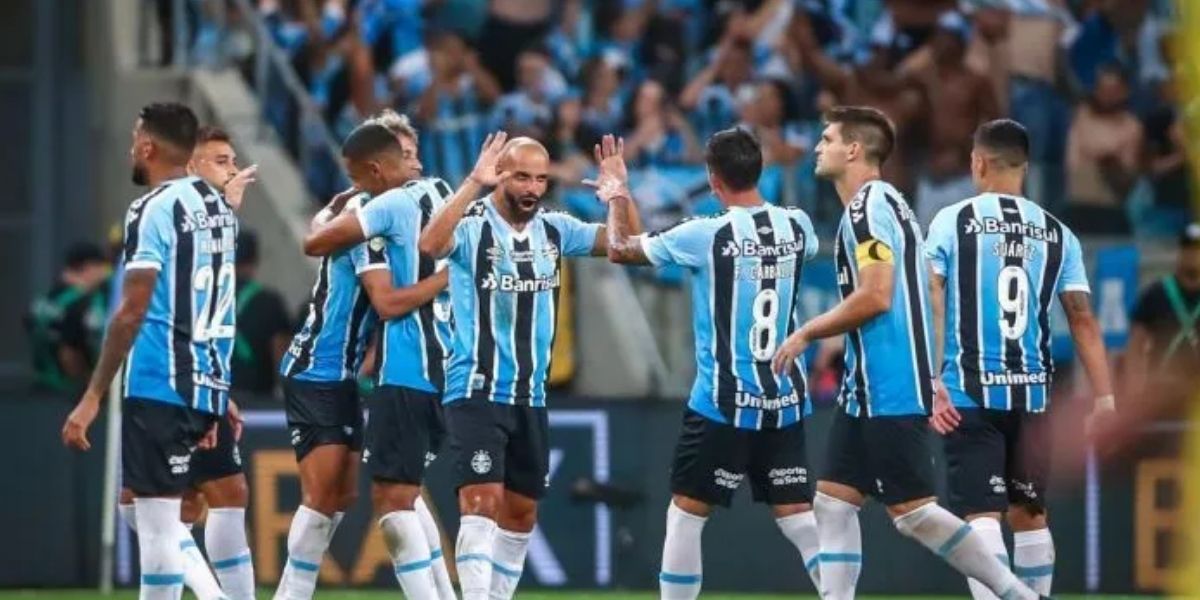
x: 888, y: 371
x: 504, y: 285
x: 187, y: 232
x: 415, y: 347
x: 746, y: 265
x: 1004, y: 260
x: 333, y: 338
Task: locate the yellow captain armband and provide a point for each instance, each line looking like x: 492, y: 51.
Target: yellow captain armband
x: 872, y: 252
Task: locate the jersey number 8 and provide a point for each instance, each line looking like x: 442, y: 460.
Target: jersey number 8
x: 1013, y: 292
x: 762, y: 333
x: 210, y: 322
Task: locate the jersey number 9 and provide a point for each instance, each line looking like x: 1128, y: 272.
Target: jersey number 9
x: 1013, y: 291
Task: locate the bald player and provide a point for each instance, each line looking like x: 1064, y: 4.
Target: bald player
x: 505, y: 255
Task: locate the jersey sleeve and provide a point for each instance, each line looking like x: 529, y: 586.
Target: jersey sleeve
x: 939, y: 244
x: 686, y: 244
x: 386, y: 215
x: 149, y: 234
x: 1073, y: 277
x: 812, y: 244
x: 466, y: 235
x: 369, y: 255
x: 578, y: 237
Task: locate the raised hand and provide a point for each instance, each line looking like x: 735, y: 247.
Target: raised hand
x: 235, y: 188
x: 613, y: 178
x: 486, y: 171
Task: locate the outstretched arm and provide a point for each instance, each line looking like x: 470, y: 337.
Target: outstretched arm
x: 437, y: 239
x: 1085, y: 331
x: 621, y: 240
x: 392, y: 302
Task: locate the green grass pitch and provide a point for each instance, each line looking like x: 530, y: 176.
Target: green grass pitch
x: 335, y: 594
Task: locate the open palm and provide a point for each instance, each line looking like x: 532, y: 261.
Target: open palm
x: 613, y: 179
x: 485, y: 171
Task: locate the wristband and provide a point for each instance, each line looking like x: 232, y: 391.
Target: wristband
x: 1107, y: 402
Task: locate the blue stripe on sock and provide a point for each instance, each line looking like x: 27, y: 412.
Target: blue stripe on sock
x: 505, y: 571
x: 842, y: 557
x: 954, y: 540
x: 185, y: 544
x: 1034, y: 572
x: 470, y: 557
x: 436, y: 554
x: 813, y: 563
x: 678, y: 579
x: 230, y: 563
x: 162, y: 579
x: 416, y: 565
x: 1003, y: 558
x: 303, y: 566
x: 1010, y: 594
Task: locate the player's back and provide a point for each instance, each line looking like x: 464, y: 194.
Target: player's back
x: 1004, y: 259
x: 185, y: 230
x: 888, y: 371
x: 747, y: 265
x: 333, y: 338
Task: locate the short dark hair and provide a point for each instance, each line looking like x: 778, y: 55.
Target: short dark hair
x: 247, y: 248
x: 210, y: 133
x: 1006, y: 140
x: 369, y: 140
x: 867, y: 126
x: 171, y: 122
x: 735, y: 157
x: 81, y: 254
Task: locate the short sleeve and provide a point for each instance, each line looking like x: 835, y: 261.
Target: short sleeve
x: 149, y: 234
x: 386, y: 214
x: 873, y: 226
x: 812, y: 244
x: 1073, y: 277
x: 577, y: 238
x: 939, y: 244
x: 686, y: 244
x: 369, y: 255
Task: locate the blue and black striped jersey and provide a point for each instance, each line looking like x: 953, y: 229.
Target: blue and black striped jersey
x: 746, y: 265
x: 185, y: 230
x: 333, y: 338
x: 1004, y: 259
x: 414, y: 347
x: 504, y: 286
x: 888, y: 370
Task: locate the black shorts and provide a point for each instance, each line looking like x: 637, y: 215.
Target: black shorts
x: 219, y: 462
x: 886, y: 457
x: 322, y: 414
x: 404, y: 432
x: 499, y: 443
x: 996, y: 458
x: 712, y: 459
x: 157, y: 442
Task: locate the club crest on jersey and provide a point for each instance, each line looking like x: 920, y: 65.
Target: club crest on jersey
x: 376, y: 244
x: 481, y: 462
x: 442, y: 310
x: 997, y: 483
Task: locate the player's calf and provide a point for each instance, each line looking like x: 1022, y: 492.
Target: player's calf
x: 682, y: 561
x: 987, y: 526
x: 518, y: 516
x: 836, y: 509
x: 405, y: 537
x: 480, y: 506
x: 225, y: 535
x: 798, y: 523
x: 1033, y: 547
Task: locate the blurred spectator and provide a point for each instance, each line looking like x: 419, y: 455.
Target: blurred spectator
x: 959, y: 100
x: 1123, y: 33
x: 906, y: 25
x: 712, y: 96
x: 450, y: 110
x: 66, y: 325
x: 1166, y: 155
x: 511, y: 26
x: 1103, y: 158
x: 263, y: 331
x: 603, y: 107
x: 529, y: 110
x: 771, y: 112
x: 656, y: 132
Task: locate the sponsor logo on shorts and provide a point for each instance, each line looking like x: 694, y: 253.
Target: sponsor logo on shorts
x: 879, y: 486
x: 348, y: 431
x: 1026, y: 489
x: 237, y: 455
x: 481, y: 463
x: 429, y: 458
x: 295, y: 437
x: 728, y: 480
x: 366, y: 455
x: 998, y: 485
x: 179, y: 464
x: 788, y: 476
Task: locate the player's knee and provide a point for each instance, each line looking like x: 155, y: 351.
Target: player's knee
x: 895, y: 511
x: 481, y: 500
x: 347, y: 498
x: 518, y: 516
x: 190, y: 507
x: 781, y: 511
x: 391, y: 497
x: 1024, y: 517
x: 325, y: 500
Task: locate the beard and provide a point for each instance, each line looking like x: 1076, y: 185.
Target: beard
x: 523, y: 207
x: 138, y: 176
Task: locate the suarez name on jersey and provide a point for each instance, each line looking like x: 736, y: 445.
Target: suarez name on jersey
x: 746, y: 265
x: 415, y: 346
x: 333, y: 339
x: 888, y: 370
x: 188, y: 233
x: 504, y: 285
x: 1004, y: 260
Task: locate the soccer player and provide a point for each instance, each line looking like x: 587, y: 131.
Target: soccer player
x: 178, y: 281
x: 998, y: 261
x: 742, y: 419
x: 878, y: 442
x: 505, y: 254
x: 406, y: 426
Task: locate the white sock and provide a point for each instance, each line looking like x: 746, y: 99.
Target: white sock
x: 1033, y: 559
x: 801, y: 530
x: 473, y: 554
x: 225, y: 541
x: 307, y: 541
x: 441, y: 575
x: 333, y: 526
x: 959, y: 545
x: 988, y: 529
x: 682, y: 562
x: 196, y: 574
x: 410, y: 554
x: 841, y: 546
x: 508, y: 561
x: 129, y: 515
x: 161, y: 561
